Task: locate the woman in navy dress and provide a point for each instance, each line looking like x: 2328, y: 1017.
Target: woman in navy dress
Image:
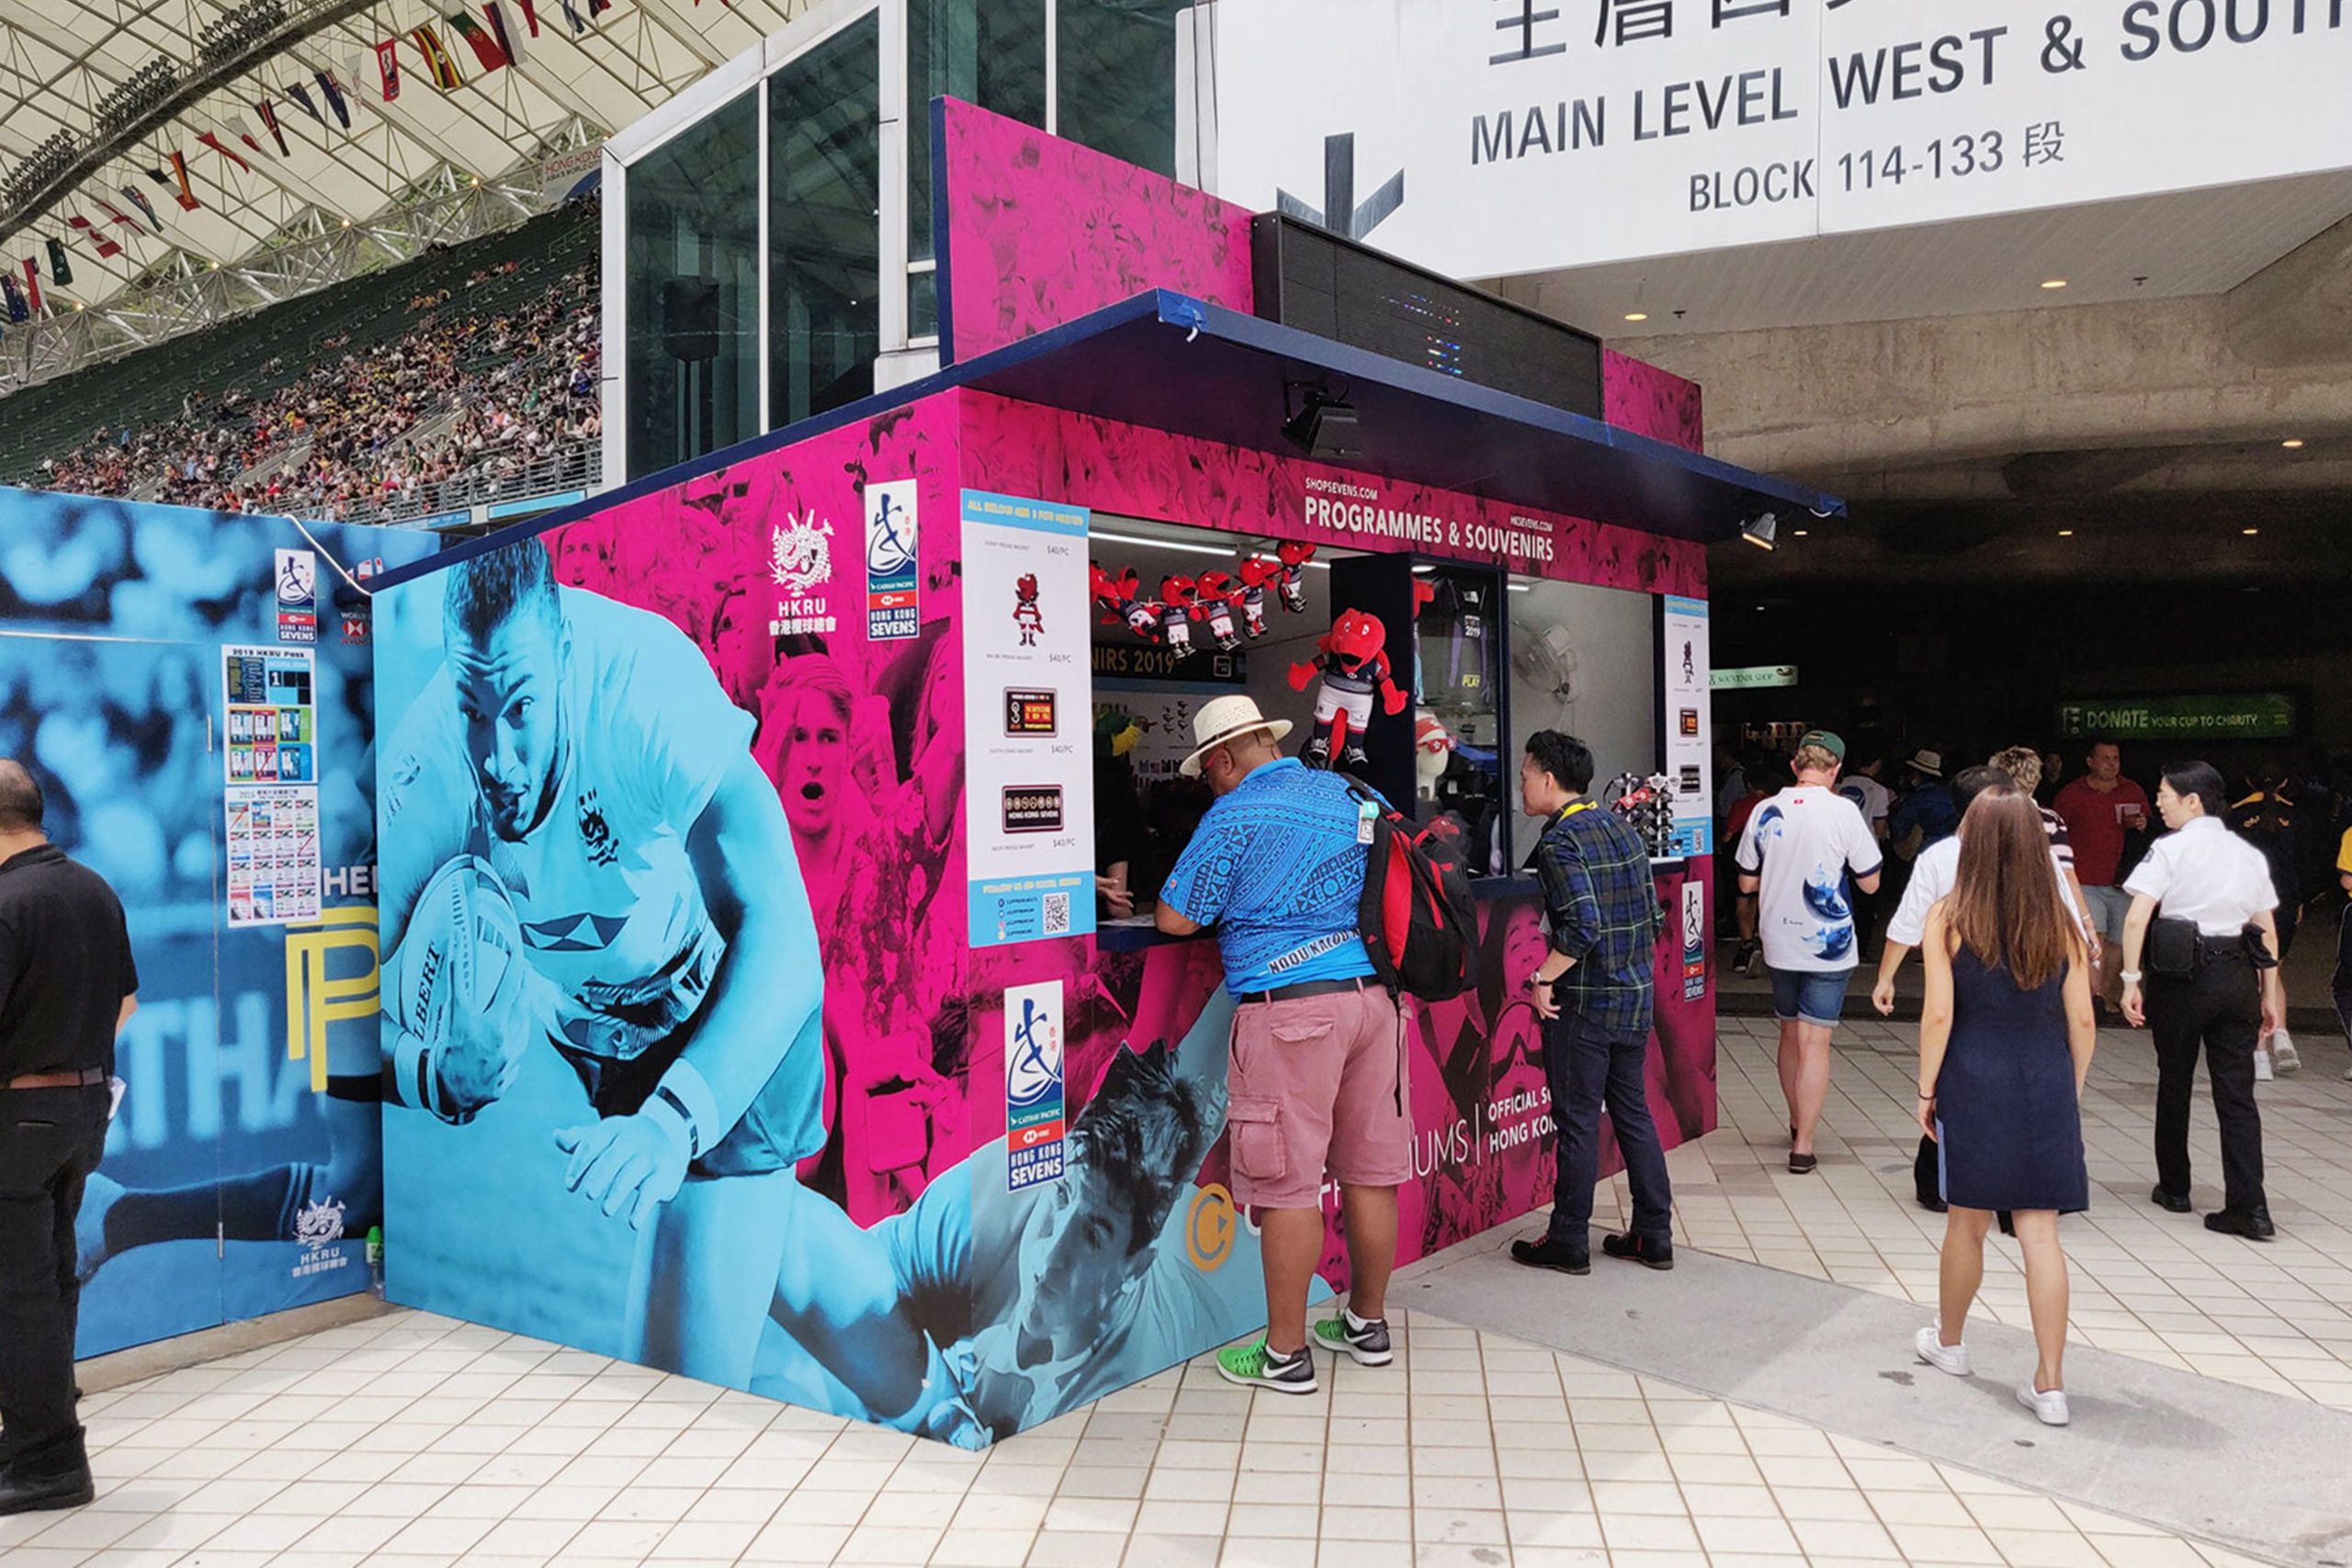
x: 2005, y: 1040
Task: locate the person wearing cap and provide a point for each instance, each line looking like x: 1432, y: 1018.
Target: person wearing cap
x: 1317, y: 1079
x: 1804, y: 852
x: 68, y: 984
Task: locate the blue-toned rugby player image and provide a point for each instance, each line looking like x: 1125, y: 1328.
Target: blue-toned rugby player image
x: 1044, y: 1298
x: 577, y: 851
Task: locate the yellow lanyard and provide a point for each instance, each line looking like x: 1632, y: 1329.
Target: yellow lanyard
x: 1572, y: 808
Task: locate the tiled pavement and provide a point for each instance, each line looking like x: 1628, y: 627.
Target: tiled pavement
x: 411, y: 1441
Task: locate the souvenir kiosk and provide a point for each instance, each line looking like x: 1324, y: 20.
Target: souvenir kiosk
x: 751, y: 1010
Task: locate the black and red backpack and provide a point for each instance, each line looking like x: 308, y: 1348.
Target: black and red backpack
x: 1420, y: 923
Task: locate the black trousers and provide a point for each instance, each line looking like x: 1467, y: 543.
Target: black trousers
x: 50, y: 1142
x: 2341, y: 983
x: 1592, y: 1069
x: 2220, y: 1009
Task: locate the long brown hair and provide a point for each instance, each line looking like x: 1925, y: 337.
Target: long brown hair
x: 2005, y: 903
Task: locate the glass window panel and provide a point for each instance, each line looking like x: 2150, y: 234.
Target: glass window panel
x: 1457, y: 716
x: 824, y: 237
x: 922, y: 306
x: 1115, y: 78
x: 990, y: 52
x: 693, y: 248
x: 1583, y: 660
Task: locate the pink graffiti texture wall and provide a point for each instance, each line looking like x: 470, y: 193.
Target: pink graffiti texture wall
x: 1038, y: 232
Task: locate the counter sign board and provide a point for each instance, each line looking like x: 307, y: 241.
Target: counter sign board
x: 1034, y: 1101
x: 1686, y: 723
x: 1029, y: 783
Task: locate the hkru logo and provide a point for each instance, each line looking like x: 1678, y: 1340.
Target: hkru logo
x: 1036, y: 1075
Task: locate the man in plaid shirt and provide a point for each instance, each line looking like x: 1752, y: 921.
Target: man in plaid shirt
x: 1597, y: 996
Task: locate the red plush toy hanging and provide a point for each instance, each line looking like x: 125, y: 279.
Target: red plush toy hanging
x: 1354, y: 660
x: 1218, y: 597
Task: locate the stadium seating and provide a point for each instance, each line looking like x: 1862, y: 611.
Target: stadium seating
x: 468, y: 374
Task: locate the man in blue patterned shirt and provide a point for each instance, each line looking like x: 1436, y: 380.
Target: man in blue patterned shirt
x: 1596, y: 994
x: 1316, y: 1080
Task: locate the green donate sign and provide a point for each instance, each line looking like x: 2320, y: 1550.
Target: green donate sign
x: 2238, y: 716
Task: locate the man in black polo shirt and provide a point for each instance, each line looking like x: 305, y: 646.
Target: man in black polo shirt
x: 66, y: 989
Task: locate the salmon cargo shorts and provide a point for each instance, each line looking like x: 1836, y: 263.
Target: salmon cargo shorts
x: 1317, y: 1084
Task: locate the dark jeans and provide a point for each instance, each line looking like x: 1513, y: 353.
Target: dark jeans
x: 1590, y: 1068
x: 50, y: 1142
x: 2219, y: 1009
x: 2342, y: 985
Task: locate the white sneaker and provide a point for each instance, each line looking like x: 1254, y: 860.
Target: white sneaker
x: 2049, y: 1408
x: 2284, y: 1057
x: 2262, y: 1073
x: 1953, y: 1359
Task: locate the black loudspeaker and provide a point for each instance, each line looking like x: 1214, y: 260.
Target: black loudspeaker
x: 690, y: 318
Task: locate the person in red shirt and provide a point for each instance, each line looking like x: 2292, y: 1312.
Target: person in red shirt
x: 2099, y: 809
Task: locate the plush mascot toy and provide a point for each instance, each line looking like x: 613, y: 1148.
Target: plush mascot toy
x: 1026, y: 613
x: 1294, y: 559
x: 1120, y: 600
x: 1183, y: 599
x: 1256, y: 572
x: 1352, y: 659
x: 1217, y: 595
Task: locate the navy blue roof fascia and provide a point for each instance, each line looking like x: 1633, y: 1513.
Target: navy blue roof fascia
x: 1165, y: 360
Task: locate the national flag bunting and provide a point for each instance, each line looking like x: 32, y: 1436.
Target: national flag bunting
x: 509, y: 41
x: 268, y: 112
x: 105, y: 246
x: 138, y: 199
x: 61, y: 270
x: 12, y: 298
x: 301, y: 95
x: 32, y: 283
x: 530, y: 16
x: 388, y: 66
x: 185, y: 195
x: 332, y: 91
x: 598, y: 7
x: 572, y: 14
x: 236, y: 124
x: 212, y: 140
x: 438, y: 65
x: 485, y: 47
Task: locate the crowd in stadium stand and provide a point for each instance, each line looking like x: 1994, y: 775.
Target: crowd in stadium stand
x: 459, y: 396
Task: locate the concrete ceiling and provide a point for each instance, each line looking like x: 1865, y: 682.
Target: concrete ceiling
x: 2171, y: 246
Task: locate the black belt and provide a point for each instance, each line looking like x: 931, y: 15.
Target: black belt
x: 87, y: 1077
x: 1308, y: 989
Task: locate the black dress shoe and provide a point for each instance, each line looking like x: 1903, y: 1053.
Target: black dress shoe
x: 1803, y: 1165
x: 2167, y: 1201
x: 2252, y: 1224
x: 1933, y: 1205
x: 36, y: 1494
x: 1551, y: 1252
x: 1641, y: 1250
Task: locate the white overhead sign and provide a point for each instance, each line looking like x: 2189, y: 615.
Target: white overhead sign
x: 1531, y: 135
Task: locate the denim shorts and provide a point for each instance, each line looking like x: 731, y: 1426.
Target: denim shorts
x: 1810, y: 996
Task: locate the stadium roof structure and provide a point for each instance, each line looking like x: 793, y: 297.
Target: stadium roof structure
x: 98, y: 97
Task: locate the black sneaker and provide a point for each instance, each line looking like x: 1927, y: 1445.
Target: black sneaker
x: 29, y: 1494
x: 2167, y: 1201
x: 1552, y: 1253
x: 1369, y: 1344
x: 1647, y: 1251
x: 1255, y: 1366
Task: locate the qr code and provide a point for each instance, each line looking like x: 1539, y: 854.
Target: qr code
x: 1056, y: 914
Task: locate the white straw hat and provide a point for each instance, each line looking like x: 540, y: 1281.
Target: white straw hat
x: 1226, y: 718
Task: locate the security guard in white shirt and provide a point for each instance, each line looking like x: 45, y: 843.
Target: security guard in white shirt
x: 2210, y: 969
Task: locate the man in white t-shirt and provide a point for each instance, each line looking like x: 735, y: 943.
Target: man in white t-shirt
x: 1799, y: 849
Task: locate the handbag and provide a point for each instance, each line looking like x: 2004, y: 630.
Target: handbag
x: 2172, y: 949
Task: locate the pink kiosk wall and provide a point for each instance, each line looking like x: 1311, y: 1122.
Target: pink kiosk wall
x: 758, y: 562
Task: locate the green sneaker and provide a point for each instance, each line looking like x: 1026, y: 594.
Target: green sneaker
x: 1369, y: 1344
x: 1254, y: 1366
